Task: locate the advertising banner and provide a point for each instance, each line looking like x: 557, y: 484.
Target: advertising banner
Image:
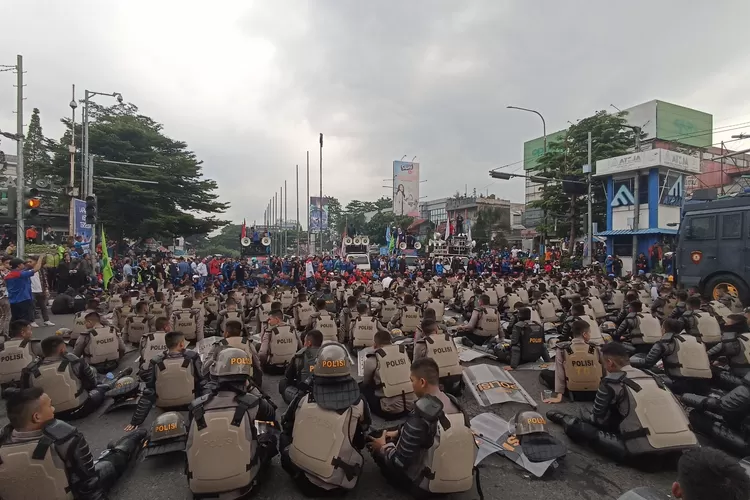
x: 318, y: 213
x: 81, y: 228
x: 406, y: 188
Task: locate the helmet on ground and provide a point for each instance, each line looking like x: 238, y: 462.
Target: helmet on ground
x: 332, y: 361
x: 124, y: 386
x: 232, y: 364
x: 168, y: 425
x: 529, y: 422
x: 396, y: 332
x: 449, y: 321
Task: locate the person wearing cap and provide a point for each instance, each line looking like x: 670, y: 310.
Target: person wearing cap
x: 333, y: 409
x: 235, y: 466
x: 401, y: 454
x: 18, y: 282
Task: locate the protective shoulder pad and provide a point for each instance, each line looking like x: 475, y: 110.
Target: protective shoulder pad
x: 59, y: 430
x: 615, y: 378
x: 190, y: 354
x: 200, y: 401
x: 668, y: 337
x: 157, y: 359
x: 248, y: 399
x: 562, y: 345
x: 72, y: 358
x: 429, y: 407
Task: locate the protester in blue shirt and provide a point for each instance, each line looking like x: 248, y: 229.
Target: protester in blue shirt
x: 18, y: 282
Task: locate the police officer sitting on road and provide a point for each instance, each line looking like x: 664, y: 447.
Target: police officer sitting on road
x: 527, y: 343
x: 324, y: 428
x: 174, y: 380
x: 324, y: 321
x: 278, y: 345
x: 725, y: 419
x: 298, y: 376
x: 225, y: 452
x: 700, y: 323
x: 153, y: 344
x: 635, y: 418
x: 41, y: 457
x: 579, y: 367
x: 415, y: 457
x: 483, y: 325
x: 684, y: 357
x: 302, y: 313
x: 233, y: 338
x: 17, y: 352
x: 137, y: 325
x: 734, y: 345
x: 439, y: 346
x: 101, y: 346
x: 364, y: 328
x: 576, y: 311
x: 386, y: 385
x: 69, y: 382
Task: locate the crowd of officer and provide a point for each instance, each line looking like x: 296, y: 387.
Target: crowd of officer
x: 607, y: 337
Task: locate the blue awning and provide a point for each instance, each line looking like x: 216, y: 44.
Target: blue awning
x: 630, y: 232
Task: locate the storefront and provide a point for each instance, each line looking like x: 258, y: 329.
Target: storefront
x: 645, y: 193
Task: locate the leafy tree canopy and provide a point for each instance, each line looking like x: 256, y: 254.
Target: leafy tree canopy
x: 182, y: 202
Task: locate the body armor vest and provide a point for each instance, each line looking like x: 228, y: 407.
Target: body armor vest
x: 618, y: 299
x: 243, y: 343
x: 322, y: 443
x: 490, y: 292
x: 59, y: 382
x: 222, y: 446
x: 597, y: 306
x: 708, y: 328
x: 500, y: 291
x: 523, y: 294
x: 512, y: 300
x: 157, y: 309
x: 488, y: 324
x: 532, y: 342
x: 185, y: 322
x: 114, y: 302
x: 263, y: 312
x: 330, y: 302
x: 448, y: 465
x: 595, y: 334
x: 388, y: 309
x: 137, y: 327
x: 647, y: 330
x: 719, y: 309
x: 283, y: 345
x: 304, y: 311
x: 645, y: 297
x: 437, y: 306
x: 594, y: 291
x: 211, y: 303
x: 689, y: 358
x: 154, y: 346
x: 423, y: 295
x: 122, y: 315
x: 286, y: 299
x: 79, y: 324
x: 656, y: 420
x: 442, y: 349
x: 410, y: 319
x: 15, y: 355
x: 175, y: 381
x: 326, y: 323
x: 363, y: 331
x: 377, y: 287
x: 742, y: 360
x: 467, y: 297
x: 307, y: 362
x: 33, y: 469
x: 547, y: 311
x: 394, y: 369
x: 583, y: 370
x: 103, y: 345
x: 447, y: 292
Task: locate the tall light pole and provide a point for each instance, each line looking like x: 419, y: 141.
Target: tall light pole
x: 72, y: 149
x: 20, y: 183
x: 544, y: 151
x: 320, y: 200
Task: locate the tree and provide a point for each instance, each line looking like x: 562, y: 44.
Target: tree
x: 488, y: 230
x: 37, y: 161
x: 564, y: 160
x: 376, y: 227
x: 180, y: 202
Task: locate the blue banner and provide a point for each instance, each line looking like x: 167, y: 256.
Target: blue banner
x: 81, y: 228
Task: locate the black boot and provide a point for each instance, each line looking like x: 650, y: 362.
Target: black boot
x: 561, y: 418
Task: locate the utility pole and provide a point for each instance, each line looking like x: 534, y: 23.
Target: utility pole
x: 722, y: 168
x: 286, y: 217
x: 309, y: 250
x: 273, y: 224
x: 636, y: 204
x: 20, y: 184
x: 590, y: 221
x: 320, y: 200
x: 72, y: 149
x: 296, y: 229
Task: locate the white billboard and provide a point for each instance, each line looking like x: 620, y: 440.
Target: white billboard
x: 406, y: 188
x: 646, y: 159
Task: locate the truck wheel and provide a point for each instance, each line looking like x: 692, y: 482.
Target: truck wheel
x: 736, y: 286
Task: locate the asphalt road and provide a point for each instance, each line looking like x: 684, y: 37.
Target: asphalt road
x: 583, y: 475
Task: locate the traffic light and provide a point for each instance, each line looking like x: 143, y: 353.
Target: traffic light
x: 8, y: 202
x: 91, y: 209
x: 32, y: 202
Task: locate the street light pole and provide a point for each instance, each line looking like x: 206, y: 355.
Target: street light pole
x: 320, y: 200
x: 544, y: 152
x: 20, y: 183
x: 72, y: 149
x: 590, y: 221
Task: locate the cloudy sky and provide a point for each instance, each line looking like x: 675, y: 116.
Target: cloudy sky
x: 250, y: 84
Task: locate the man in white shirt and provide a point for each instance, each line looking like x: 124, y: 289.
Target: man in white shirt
x: 40, y: 299
x: 309, y: 274
x: 127, y: 270
x: 202, y: 270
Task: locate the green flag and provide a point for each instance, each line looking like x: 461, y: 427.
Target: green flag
x: 106, y: 266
